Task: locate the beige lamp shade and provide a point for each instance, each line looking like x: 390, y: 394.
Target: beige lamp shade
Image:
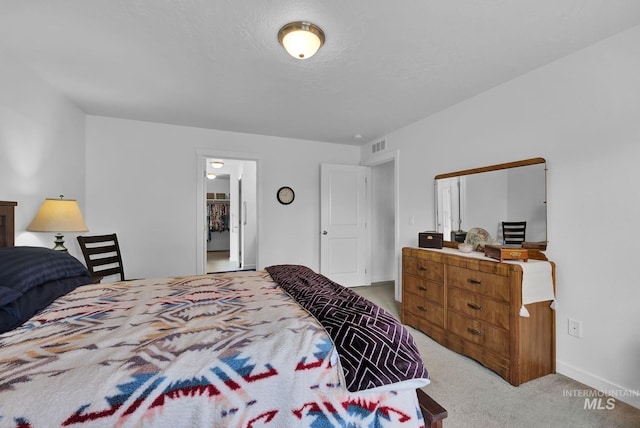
x: 58, y: 215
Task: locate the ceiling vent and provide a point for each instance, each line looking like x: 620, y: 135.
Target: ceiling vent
x: 379, y: 146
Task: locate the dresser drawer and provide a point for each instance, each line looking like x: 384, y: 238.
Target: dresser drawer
x: 436, y: 332
x: 427, y: 269
x: 424, y: 288
x: 487, y: 284
x: 472, y: 330
x: 423, y: 308
x: 478, y: 307
x: 500, y: 364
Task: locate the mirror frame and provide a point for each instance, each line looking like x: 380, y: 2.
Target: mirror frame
x: 497, y: 167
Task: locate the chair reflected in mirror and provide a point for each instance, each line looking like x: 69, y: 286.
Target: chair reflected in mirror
x: 513, y: 232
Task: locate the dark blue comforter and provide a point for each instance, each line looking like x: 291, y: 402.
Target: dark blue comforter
x: 33, y: 277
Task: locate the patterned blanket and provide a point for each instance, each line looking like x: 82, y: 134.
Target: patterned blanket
x: 221, y: 350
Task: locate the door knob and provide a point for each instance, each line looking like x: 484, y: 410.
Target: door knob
x: 324, y: 232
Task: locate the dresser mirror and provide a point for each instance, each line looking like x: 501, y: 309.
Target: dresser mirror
x: 485, y: 197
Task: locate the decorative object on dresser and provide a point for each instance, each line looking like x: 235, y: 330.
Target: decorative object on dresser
x: 540, y: 246
x: 476, y: 306
x: 506, y: 252
x: 58, y: 215
x: 465, y: 247
x: 458, y: 235
x: 430, y: 240
x: 477, y: 237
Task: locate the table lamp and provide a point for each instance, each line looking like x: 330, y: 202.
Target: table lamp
x: 58, y: 215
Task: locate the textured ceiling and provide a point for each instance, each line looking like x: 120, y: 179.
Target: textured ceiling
x: 217, y: 63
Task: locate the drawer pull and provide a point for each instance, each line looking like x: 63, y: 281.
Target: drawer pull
x: 422, y: 288
x: 474, y: 281
x: 474, y: 331
x: 474, y: 306
x: 420, y: 267
x: 422, y: 308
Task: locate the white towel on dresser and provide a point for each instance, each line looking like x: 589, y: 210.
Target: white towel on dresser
x: 537, y: 279
x: 537, y: 284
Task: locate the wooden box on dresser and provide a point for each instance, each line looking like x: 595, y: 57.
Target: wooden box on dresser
x: 471, y: 305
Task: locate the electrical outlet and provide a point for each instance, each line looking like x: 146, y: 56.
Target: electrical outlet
x: 575, y: 328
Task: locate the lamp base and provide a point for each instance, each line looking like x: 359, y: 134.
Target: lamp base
x: 59, y: 243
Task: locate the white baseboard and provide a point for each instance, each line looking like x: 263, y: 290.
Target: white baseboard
x: 629, y: 396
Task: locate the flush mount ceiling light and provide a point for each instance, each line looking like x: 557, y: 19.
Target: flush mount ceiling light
x: 211, y: 175
x: 217, y: 164
x: 301, y: 39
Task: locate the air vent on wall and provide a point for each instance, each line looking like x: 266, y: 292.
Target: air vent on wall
x: 380, y: 145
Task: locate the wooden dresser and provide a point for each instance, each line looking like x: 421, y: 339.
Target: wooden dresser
x: 471, y: 306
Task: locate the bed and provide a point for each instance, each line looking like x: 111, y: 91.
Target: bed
x: 283, y: 347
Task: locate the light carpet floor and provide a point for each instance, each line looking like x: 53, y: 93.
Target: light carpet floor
x: 218, y: 261
x: 475, y: 396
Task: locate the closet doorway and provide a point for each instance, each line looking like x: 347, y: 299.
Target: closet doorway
x: 230, y: 214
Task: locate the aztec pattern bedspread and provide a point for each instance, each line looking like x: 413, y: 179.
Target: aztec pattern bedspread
x: 124, y: 355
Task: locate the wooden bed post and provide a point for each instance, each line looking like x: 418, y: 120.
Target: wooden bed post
x: 7, y: 228
x: 432, y: 412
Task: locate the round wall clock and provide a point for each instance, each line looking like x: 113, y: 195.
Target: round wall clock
x: 285, y: 195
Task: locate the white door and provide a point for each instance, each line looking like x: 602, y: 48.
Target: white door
x: 343, y: 224
x: 242, y: 220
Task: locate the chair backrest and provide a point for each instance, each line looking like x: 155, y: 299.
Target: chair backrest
x: 102, y: 255
x: 513, y: 232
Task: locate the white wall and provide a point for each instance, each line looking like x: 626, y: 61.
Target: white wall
x: 582, y: 114
x: 41, y: 149
x: 383, y: 222
x: 142, y: 180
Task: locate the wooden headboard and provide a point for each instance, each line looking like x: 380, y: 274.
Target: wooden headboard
x: 7, y: 225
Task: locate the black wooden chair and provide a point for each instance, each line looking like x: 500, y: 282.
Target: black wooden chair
x: 513, y: 232
x: 102, y: 256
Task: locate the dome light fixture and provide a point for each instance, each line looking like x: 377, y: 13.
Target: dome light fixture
x: 211, y: 175
x: 301, y: 39
x: 217, y: 164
